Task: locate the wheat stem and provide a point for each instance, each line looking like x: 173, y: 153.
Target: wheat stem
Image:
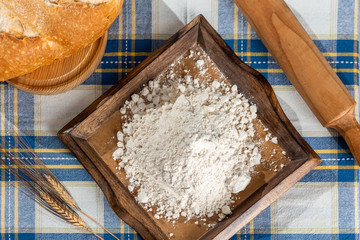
x: 98, y: 224
x: 90, y: 230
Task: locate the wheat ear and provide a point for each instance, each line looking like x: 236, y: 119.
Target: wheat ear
x: 64, y: 193
x: 66, y: 213
x: 32, y: 172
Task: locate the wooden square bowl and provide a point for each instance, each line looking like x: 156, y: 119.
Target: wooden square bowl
x: 91, y: 137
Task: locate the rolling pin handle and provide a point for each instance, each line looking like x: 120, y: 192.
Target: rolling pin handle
x: 349, y: 129
x: 305, y: 66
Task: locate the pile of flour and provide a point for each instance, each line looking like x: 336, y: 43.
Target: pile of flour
x: 187, y: 146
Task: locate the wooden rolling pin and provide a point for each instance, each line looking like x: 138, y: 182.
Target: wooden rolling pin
x: 305, y: 66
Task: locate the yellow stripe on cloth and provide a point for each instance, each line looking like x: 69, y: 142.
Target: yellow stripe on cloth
x: 336, y: 167
x: 245, y: 54
x: 37, y: 150
x: 326, y: 54
x: 133, y: 31
x: 332, y: 151
x: 78, y: 166
x: 248, y: 41
x: 122, y: 228
x: 236, y: 30
x: 252, y: 230
x: 113, y: 70
x: 121, y: 54
x: 275, y: 70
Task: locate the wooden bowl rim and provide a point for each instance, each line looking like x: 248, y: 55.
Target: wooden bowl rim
x: 86, y: 70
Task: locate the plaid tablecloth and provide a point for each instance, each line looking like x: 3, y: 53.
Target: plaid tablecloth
x: 323, y: 205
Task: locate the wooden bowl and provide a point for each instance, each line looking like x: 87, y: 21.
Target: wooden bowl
x: 64, y: 74
x: 91, y: 137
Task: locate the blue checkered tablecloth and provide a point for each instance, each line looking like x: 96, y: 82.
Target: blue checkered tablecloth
x: 323, y: 205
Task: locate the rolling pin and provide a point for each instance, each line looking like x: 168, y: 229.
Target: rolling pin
x: 305, y: 66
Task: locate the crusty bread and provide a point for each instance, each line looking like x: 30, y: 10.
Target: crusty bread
x: 34, y: 33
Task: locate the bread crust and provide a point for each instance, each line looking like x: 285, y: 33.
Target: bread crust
x: 63, y: 30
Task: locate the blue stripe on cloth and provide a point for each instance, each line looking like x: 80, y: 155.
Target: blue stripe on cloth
x: 346, y: 65
x: 80, y: 175
x: 347, y: 62
x: 143, y: 17
x: 112, y: 45
x: 346, y: 11
x: 72, y: 236
x: 346, y: 175
x: 56, y: 160
x: 326, y: 142
x: 346, y: 46
x: 25, y: 108
x: 126, y: 17
x: 296, y: 237
x: 325, y: 46
x: 9, y: 107
x: 21, y: 236
x: 276, y: 79
x: 326, y: 175
x: 314, y: 236
x: 256, y: 46
x: 53, y: 236
x: 111, y: 220
x: 347, y: 78
x: 226, y: 14
x: 113, y: 31
x: 27, y: 212
x: 110, y: 78
x: 346, y: 214
x: 263, y: 220
x: 65, y: 174
x: 49, y: 142
x: 144, y: 45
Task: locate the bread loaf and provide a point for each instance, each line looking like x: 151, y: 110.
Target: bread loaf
x: 34, y: 33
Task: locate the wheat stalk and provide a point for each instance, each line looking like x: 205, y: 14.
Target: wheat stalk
x: 66, y: 213
x: 41, y: 185
x: 64, y: 193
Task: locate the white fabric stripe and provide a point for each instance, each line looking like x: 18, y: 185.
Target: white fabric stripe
x: 316, y: 16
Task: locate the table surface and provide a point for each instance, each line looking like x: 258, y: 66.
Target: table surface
x: 323, y: 205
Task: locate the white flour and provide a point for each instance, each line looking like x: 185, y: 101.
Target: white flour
x: 188, y: 146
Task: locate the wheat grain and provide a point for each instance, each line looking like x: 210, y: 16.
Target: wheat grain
x: 64, y: 211
x: 63, y: 192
